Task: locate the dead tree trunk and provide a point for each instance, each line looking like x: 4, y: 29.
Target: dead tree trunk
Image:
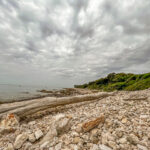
x: 25, y: 108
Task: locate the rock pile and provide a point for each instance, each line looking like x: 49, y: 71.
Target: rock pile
x: 112, y: 123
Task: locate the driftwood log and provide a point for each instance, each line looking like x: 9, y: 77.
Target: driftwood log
x: 135, y: 99
x: 25, y: 108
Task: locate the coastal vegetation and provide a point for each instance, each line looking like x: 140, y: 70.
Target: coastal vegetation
x: 119, y: 81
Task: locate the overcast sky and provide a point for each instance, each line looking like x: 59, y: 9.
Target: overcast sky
x: 67, y: 42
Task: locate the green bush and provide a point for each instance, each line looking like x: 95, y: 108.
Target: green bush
x: 120, y: 81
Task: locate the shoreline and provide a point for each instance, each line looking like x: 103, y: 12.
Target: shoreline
x: 95, y: 120
x: 64, y: 92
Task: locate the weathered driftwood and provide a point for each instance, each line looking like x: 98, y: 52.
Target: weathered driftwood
x: 135, y: 99
x: 25, y: 108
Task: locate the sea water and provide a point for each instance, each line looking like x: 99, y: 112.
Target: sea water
x: 10, y: 92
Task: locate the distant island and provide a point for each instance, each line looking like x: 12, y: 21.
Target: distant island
x: 119, y: 81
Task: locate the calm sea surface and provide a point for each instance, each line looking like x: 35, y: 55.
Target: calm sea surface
x: 19, y: 92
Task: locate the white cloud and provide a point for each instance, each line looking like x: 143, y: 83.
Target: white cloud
x: 69, y: 42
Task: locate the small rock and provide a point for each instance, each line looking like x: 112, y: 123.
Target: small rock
x: 20, y: 139
x: 123, y: 140
x: 51, y: 148
x: 133, y: 139
x: 9, y: 147
x: 58, y: 146
x: 79, y: 128
x: 74, y: 134
x: 124, y: 120
x: 94, y: 147
x: 112, y: 144
x: 32, y: 138
x: 27, y: 146
x: 54, y: 142
x: 77, y: 140
x: 72, y: 147
x: 45, y: 145
x: 51, y: 134
x: 94, y: 139
x: 140, y: 147
x: 62, y: 123
x: 119, y: 133
x: 32, y: 123
x: 94, y: 132
x: 38, y: 134
x: 104, y: 147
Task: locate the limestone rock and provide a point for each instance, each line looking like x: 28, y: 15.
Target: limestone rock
x: 9, y: 123
x: 49, y: 136
x: 27, y: 146
x: 79, y: 128
x: 104, y: 147
x: 58, y: 146
x: 92, y: 124
x: 94, y: 147
x: 9, y: 147
x: 20, y: 139
x: 140, y: 147
x: 123, y: 140
x: 124, y: 120
x: 45, y: 145
x: 133, y: 139
x: 32, y: 138
x: 77, y: 140
x: 62, y: 125
x: 38, y: 134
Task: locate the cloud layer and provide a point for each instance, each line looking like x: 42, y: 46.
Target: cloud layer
x: 66, y: 42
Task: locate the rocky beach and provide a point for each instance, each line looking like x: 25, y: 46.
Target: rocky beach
x: 96, y: 121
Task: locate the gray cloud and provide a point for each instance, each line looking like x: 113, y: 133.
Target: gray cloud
x: 61, y: 43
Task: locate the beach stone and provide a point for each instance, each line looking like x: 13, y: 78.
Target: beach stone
x: 32, y: 138
x: 92, y: 124
x: 94, y: 132
x: 141, y: 147
x: 44, y: 145
x: 94, y: 147
x: 63, y: 125
x: 124, y: 120
x: 31, y: 123
x: 104, y: 147
x: 77, y: 140
x: 27, y: 146
x: 119, y: 133
x: 79, y: 128
x: 51, y: 148
x: 94, y: 139
x: 123, y: 140
x: 49, y: 136
x: 58, y: 146
x: 9, y: 123
x: 20, y: 139
x: 9, y: 147
x: 133, y: 139
x: 112, y: 144
x: 38, y: 134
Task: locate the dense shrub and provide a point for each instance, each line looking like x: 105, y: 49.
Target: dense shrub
x: 120, y: 81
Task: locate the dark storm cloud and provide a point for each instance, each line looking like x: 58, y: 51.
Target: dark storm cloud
x: 73, y: 41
